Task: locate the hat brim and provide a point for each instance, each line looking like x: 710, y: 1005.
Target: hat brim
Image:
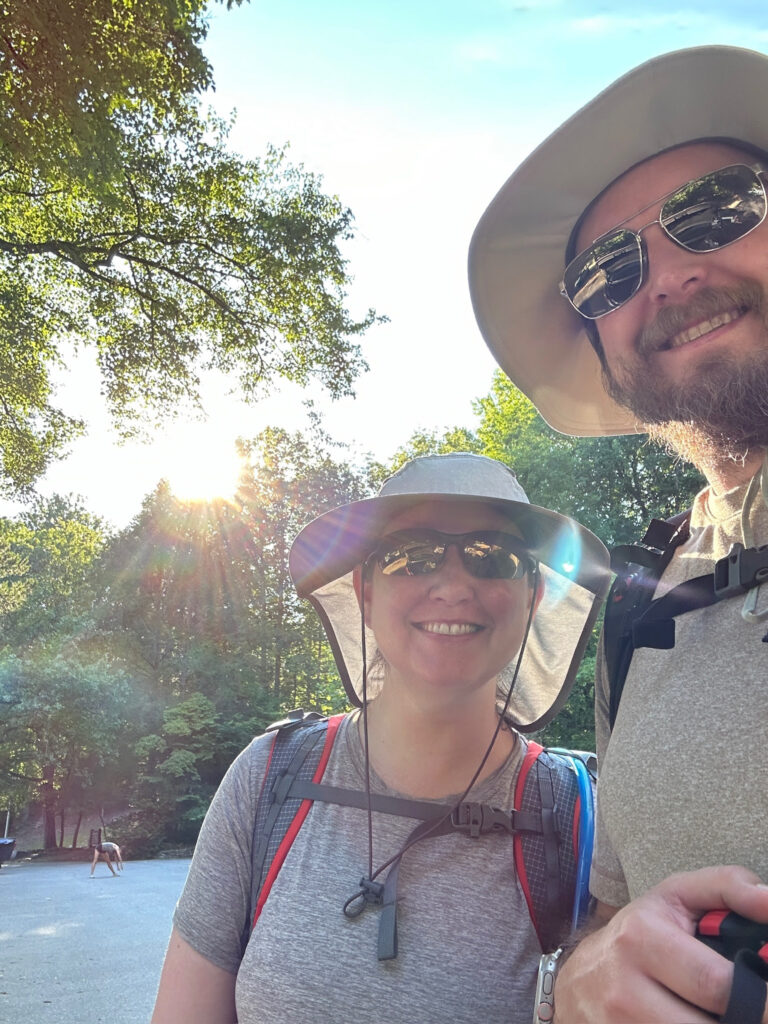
x: 337, y: 541
x: 517, y: 252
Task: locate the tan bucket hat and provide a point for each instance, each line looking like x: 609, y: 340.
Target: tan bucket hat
x: 574, y: 567
x: 517, y: 253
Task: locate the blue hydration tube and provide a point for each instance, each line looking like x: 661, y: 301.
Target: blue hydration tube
x: 586, y: 840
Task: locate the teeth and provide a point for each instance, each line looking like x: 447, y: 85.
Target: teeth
x: 449, y: 628
x: 703, y: 328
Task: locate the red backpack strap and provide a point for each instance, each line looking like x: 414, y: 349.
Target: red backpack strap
x: 550, y: 861
x: 533, y: 751
x: 293, y: 826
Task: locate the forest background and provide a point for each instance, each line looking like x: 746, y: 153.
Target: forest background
x: 136, y: 663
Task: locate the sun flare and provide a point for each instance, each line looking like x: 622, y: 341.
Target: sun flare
x: 203, y: 465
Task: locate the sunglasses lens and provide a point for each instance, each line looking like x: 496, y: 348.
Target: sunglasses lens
x: 410, y: 554
x: 490, y: 557
x: 485, y: 555
x: 605, y: 275
x: 715, y: 210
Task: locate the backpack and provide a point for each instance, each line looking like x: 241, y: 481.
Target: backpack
x: 552, y: 825
x: 634, y: 618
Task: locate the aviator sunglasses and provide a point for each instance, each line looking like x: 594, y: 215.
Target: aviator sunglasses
x: 704, y: 215
x: 485, y: 554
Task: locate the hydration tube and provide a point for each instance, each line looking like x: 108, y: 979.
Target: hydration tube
x: 586, y: 836
x: 586, y: 840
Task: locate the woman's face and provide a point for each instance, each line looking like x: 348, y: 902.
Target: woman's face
x: 447, y: 634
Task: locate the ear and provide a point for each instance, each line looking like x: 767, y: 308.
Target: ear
x: 362, y: 593
x: 540, y: 588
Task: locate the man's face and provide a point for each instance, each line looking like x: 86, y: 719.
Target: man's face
x: 687, y: 346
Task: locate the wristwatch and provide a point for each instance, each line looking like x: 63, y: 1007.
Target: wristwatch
x: 544, y: 1007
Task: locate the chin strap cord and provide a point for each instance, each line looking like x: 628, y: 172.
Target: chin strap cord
x: 384, y: 894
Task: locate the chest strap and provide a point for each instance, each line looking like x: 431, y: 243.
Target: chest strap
x: 736, y: 573
x: 470, y: 817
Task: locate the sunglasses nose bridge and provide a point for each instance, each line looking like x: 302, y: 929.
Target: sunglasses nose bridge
x: 451, y: 565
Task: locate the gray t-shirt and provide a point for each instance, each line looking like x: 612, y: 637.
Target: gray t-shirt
x: 682, y: 781
x: 467, y: 949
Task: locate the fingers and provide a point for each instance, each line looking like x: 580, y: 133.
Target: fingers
x: 677, y: 964
x: 607, y: 980
x: 724, y: 887
x: 646, y: 965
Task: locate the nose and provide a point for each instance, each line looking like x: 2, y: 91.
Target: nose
x: 674, y: 273
x: 451, y: 582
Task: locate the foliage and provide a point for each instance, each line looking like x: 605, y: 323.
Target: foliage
x: 126, y: 226
x: 63, y: 716
x: 193, y: 609
x: 68, y: 67
x: 424, y: 442
x: 291, y: 480
x: 171, y: 785
x: 612, y: 485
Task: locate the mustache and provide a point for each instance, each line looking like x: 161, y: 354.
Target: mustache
x: 707, y: 303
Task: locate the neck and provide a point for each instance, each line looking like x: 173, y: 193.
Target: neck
x: 433, y: 752
x: 726, y: 476
x: 724, y: 465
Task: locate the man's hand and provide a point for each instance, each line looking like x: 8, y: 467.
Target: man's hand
x: 645, y: 965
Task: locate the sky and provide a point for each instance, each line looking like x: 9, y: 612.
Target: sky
x: 414, y: 113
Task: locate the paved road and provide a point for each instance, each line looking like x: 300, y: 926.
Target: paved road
x: 76, y: 950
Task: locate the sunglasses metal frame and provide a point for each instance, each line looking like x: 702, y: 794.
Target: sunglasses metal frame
x: 757, y: 170
x: 510, y: 544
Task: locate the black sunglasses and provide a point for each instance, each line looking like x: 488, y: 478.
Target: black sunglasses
x: 702, y: 216
x: 485, y: 554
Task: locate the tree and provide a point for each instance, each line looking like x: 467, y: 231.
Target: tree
x: 67, y: 67
x: 53, y: 547
x: 63, y: 702
x: 64, y: 717
x: 127, y: 226
x: 291, y: 480
x: 612, y: 485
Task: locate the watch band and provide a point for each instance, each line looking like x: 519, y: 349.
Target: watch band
x: 544, y: 1007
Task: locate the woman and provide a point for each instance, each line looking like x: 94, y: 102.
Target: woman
x: 476, y: 608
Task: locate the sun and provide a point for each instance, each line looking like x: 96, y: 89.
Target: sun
x: 202, y: 464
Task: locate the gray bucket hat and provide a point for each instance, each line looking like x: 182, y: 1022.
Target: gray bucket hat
x: 574, y: 568
x: 517, y: 253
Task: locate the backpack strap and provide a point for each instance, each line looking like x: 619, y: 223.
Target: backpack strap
x: 634, y: 618
x: 553, y: 865
x: 638, y: 568
x: 301, y: 748
x: 552, y: 843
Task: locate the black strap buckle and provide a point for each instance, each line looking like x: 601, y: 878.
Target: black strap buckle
x: 477, y: 818
x: 740, y: 570
x: 370, y: 894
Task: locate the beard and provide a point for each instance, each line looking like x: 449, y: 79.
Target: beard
x: 720, y: 412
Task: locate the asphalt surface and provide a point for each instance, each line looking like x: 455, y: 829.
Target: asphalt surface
x: 80, y: 950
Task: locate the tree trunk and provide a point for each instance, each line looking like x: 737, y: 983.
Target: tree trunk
x: 77, y: 829
x: 61, y: 829
x: 49, y: 808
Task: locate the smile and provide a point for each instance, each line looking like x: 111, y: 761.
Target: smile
x: 449, y: 628
x: 704, y: 327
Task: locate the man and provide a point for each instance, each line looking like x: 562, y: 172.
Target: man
x: 646, y: 211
